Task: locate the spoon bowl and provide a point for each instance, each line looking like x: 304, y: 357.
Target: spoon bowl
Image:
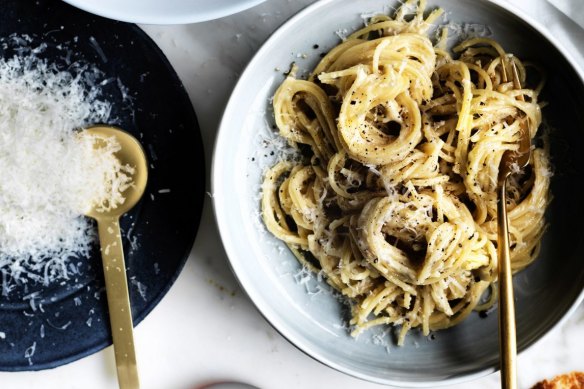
x: 131, y: 153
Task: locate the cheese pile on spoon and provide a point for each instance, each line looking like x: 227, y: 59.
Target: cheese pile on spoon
x: 49, y: 173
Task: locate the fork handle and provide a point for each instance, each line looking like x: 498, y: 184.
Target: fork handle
x: 118, y: 301
x: 507, y: 335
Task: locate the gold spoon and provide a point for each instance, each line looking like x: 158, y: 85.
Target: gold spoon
x: 112, y: 253
x: 507, y: 332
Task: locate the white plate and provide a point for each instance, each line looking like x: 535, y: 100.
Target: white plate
x: 315, y: 321
x: 163, y: 11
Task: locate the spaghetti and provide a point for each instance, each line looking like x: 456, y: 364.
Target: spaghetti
x: 395, y: 199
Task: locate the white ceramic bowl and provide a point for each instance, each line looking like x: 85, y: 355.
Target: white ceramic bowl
x: 303, y: 309
x: 163, y: 11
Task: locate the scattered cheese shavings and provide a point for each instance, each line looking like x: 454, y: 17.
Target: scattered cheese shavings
x: 29, y: 352
x: 142, y: 289
x: 49, y: 173
x: 342, y: 33
x: 98, y: 49
x: 62, y: 328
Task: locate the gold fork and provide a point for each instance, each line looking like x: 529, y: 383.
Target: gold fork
x: 507, y: 329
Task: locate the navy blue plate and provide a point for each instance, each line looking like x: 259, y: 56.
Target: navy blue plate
x: 46, y: 326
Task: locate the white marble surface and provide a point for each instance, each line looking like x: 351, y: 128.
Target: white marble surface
x: 205, y: 328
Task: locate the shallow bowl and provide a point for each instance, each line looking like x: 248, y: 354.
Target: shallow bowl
x: 302, y: 308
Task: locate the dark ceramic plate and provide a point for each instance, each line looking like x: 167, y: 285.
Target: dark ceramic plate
x: 43, y: 327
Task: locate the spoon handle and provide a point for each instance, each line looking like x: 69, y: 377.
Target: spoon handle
x: 114, y: 268
x: 507, y: 336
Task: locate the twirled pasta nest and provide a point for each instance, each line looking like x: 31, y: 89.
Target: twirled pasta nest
x: 395, y: 203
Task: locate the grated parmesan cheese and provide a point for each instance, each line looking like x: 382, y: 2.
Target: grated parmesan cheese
x: 50, y: 174
x: 29, y: 352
